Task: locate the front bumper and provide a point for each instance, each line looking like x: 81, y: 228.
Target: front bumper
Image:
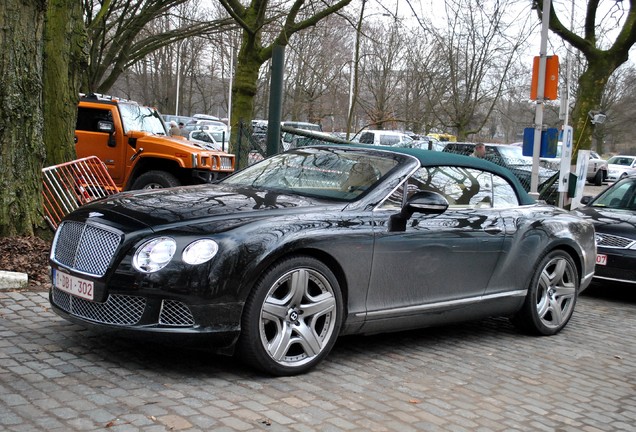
x: 156, y: 319
x: 620, y: 266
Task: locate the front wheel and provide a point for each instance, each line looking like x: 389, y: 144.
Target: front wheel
x: 598, y: 178
x: 155, y: 180
x: 292, y: 318
x: 551, y: 297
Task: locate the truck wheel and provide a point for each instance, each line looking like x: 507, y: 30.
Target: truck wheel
x: 155, y: 180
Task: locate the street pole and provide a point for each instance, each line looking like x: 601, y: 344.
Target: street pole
x: 353, y: 83
x: 275, y: 100
x: 538, y: 118
x: 176, y: 106
x: 229, y: 96
x: 566, y: 141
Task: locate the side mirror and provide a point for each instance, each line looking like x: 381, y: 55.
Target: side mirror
x: 425, y: 202
x: 109, y: 128
x: 105, y: 126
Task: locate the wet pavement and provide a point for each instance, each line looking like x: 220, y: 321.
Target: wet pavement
x: 481, y: 376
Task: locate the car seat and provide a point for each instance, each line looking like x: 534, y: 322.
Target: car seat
x: 361, y: 176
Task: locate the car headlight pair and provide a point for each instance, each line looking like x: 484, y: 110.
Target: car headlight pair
x: 155, y: 254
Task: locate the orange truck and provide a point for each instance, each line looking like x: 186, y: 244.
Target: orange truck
x: 133, y: 142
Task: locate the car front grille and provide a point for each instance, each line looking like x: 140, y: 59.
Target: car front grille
x: 85, y: 248
x: 226, y: 162
x: 612, y: 241
x: 116, y: 310
x: 122, y: 310
x: 175, y: 313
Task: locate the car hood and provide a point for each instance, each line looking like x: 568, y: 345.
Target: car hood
x: 188, y: 204
x: 611, y: 221
x: 170, y: 143
x: 615, y: 167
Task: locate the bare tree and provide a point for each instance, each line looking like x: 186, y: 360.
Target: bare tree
x: 314, y: 62
x: 619, y: 103
x: 603, y: 57
x: 278, y: 23
x: 382, y: 58
x: 118, y: 38
x: 419, y: 78
x: 476, y: 47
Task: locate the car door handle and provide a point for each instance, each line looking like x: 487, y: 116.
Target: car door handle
x: 493, y: 230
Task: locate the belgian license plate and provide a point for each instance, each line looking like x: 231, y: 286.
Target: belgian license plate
x: 73, y: 285
x: 601, y: 259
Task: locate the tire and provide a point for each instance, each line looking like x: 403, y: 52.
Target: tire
x: 155, y: 180
x: 551, y: 297
x: 292, y: 317
x: 598, y: 178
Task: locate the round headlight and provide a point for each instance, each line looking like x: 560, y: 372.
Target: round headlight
x: 200, y: 251
x: 154, y: 255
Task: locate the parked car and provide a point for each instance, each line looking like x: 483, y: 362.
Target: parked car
x: 620, y: 166
x: 424, y: 143
x: 512, y: 158
x: 613, y: 213
x: 290, y: 140
x: 302, y: 125
x: 217, y: 140
x: 167, y: 118
x: 596, y: 167
x: 135, y: 146
x: 383, y: 137
x: 275, y: 262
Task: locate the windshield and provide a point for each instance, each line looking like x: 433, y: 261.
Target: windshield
x: 322, y: 173
x: 513, y: 155
x: 220, y: 136
x: 622, y: 195
x: 141, y: 118
x: 620, y: 160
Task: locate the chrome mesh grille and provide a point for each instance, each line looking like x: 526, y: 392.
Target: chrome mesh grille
x: 85, y: 248
x: 117, y: 310
x: 175, y: 313
x: 612, y: 241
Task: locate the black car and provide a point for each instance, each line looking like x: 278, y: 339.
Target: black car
x: 276, y: 261
x: 613, y: 213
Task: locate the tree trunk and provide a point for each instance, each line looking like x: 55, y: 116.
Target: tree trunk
x: 243, y: 92
x: 65, y: 39
x: 22, y: 147
x: 590, y: 92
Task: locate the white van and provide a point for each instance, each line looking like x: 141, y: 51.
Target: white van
x: 383, y: 137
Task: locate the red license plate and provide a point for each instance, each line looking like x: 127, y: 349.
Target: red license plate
x: 601, y: 259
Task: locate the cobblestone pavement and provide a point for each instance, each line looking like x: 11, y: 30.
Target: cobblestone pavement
x: 483, y: 376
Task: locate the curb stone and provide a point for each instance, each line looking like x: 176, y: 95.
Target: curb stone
x: 11, y: 280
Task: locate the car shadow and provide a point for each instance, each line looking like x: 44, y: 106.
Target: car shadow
x: 176, y: 363
x: 625, y: 293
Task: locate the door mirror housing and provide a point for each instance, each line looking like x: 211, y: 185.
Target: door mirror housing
x: 425, y: 202
x: 109, y: 128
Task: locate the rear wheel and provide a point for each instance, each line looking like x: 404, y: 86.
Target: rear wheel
x: 551, y: 297
x: 598, y: 178
x: 155, y: 180
x: 292, y: 318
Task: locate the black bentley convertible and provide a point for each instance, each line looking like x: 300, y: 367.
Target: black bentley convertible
x: 273, y: 263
